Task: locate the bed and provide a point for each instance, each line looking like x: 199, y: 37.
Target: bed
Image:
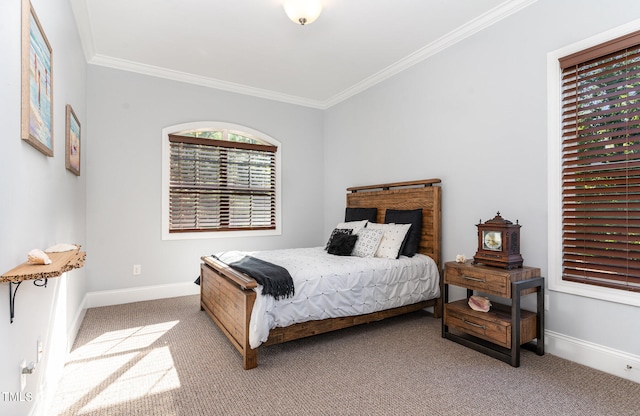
x: 228, y: 296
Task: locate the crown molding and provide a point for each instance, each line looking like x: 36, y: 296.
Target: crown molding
x: 159, y: 72
x: 83, y: 22
x: 470, y: 28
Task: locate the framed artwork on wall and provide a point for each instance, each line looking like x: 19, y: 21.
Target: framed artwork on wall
x: 37, y: 83
x: 72, y: 139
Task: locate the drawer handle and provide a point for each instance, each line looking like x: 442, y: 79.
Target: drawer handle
x: 474, y: 324
x: 475, y: 279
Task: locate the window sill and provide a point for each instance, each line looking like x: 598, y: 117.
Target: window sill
x: 596, y: 292
x: 219, y: 234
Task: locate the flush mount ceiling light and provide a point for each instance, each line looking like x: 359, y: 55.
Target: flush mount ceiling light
x: 303, y: 12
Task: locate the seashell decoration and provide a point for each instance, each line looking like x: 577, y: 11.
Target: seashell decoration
x: 58, y: 248
x: 479, y: 303
x: 37, y: 256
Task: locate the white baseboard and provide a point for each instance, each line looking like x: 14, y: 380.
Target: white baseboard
x: 596, y: 356
x: 139, y: 294
x: 72, y: 332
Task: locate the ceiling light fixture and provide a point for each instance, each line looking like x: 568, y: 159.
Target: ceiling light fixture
x: 303, y: 12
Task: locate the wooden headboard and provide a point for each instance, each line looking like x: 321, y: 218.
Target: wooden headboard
x: 407, y: 195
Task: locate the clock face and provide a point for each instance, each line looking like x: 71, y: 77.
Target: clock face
x: 492, y: 240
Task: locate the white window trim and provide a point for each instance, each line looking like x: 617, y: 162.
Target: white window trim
x: 166, y: 235
x: 554, y: 179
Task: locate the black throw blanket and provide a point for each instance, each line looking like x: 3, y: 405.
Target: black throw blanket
x: 275, y: 280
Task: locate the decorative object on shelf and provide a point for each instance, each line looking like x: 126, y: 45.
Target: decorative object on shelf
x: 460, y: 258
x: 37, y: 256
x: 72, y: 142
x: 63, y: 259
x: 499, y: 243
x: 59, y: 248
x: 37, y: 83
x: 479, y: 303
x: 303, y: 12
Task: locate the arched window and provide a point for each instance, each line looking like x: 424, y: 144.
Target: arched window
x: 219, y: 179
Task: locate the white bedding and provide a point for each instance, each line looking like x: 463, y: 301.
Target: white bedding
x: 329, y: 286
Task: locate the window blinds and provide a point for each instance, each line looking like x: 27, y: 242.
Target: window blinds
x: 601, y: 165
x: 218, y: 185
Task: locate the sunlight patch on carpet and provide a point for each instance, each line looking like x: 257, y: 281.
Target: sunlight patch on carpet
x: 123, y: 340
x: 118, y: 366
x: 153, y: 373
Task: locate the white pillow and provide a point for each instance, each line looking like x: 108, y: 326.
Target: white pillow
x: 354, y: 225
x: 392, y: 240
x: 367, y: 242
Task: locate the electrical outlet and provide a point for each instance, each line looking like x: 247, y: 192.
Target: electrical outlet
x: 546, y: 302
x: 137, y: 269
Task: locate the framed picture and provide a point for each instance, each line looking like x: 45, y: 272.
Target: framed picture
x: 72, y: 139
x: 37, y: 83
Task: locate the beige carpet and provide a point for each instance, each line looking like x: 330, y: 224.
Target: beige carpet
x: 167, y: 358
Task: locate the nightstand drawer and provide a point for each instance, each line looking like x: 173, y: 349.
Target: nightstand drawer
x: 489, y: 280
x: 495, y: 283
x: 493, y: 326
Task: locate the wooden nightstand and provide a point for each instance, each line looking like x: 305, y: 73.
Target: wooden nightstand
x: 503, y: 330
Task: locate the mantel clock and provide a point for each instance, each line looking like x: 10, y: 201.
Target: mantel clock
x: 499, y: 243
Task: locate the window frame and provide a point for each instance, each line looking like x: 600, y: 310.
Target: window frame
x: 166, y: 171
x: 554, y: 173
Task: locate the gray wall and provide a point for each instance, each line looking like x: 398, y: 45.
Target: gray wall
x: 475, y: 116
x: 462, y: 115
x: 127, y: 113
x: 42, y: 204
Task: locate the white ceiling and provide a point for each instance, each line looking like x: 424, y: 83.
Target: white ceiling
x: 251, y: 47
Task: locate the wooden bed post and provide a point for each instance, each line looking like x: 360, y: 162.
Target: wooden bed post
x: 228, y: 297
x: 249, y: 355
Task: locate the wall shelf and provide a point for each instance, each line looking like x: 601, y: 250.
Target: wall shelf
x: 39, y: 273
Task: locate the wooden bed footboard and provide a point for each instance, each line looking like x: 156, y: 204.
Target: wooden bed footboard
x: 228, y: 296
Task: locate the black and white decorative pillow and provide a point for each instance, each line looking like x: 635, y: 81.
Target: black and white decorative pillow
x: 368, y: 242
x: 354, y: 225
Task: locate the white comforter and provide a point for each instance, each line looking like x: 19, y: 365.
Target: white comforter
x: 329, y: 286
